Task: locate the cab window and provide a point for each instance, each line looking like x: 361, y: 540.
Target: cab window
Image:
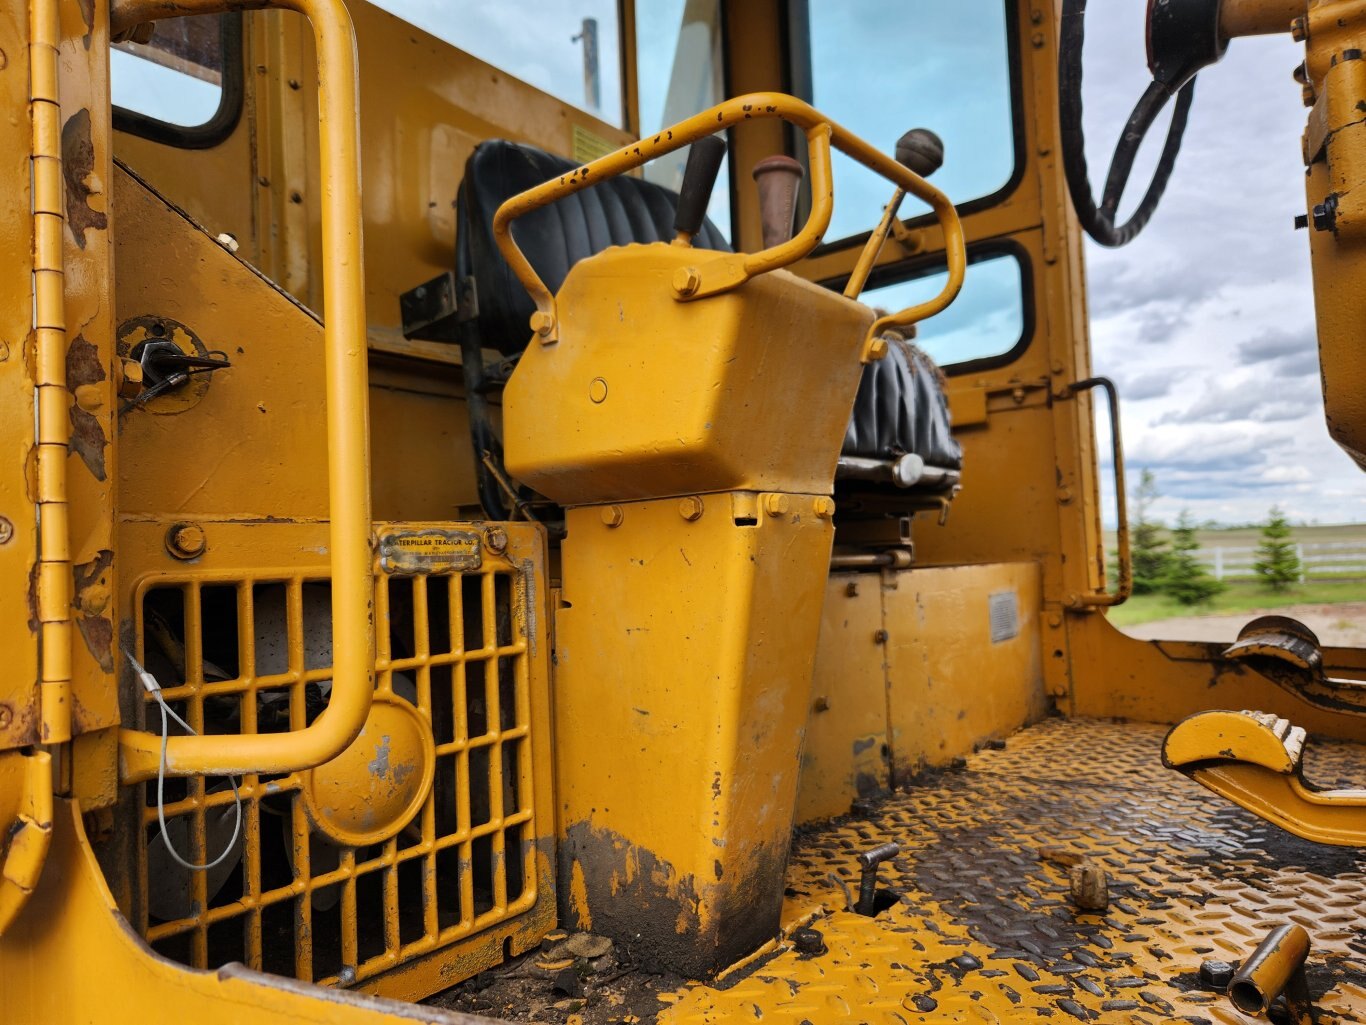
x: 879, y: 71
x: 987, y: 324
x: 177, y: 81
x: 567, y: 48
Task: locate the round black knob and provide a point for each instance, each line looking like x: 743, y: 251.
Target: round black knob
x: 920, y: 150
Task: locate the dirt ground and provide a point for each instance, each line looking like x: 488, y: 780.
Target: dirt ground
x: 1338, y: 625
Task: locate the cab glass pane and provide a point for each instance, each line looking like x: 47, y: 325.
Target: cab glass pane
x: 678, y: 73
x: 567, y: 48
x: 176, y: 77
x: 880, y: 67
x: 985, y: 321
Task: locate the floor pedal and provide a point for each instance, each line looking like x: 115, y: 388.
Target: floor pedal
x: 1289, y: 654
x: 1255, y: 760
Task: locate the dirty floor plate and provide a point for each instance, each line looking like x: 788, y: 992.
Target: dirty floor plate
x: 985, y: 931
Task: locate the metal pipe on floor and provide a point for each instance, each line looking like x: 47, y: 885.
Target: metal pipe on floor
x: 1275, y: 967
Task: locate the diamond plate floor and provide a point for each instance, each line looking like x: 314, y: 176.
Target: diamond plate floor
x: 984, y: 930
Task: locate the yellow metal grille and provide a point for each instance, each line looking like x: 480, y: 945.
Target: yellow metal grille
x: 250, y: 653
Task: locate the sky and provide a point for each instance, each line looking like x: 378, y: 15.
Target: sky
x: 1205, y: 322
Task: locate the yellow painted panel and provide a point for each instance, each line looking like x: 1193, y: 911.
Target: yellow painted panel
x: 951, y: 686
x: 846, y: 738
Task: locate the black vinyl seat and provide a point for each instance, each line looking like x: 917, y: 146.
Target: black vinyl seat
x: 901, y: 407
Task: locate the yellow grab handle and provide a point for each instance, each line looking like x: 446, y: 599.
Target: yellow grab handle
x: 348, y: 428
x: 726, y: 271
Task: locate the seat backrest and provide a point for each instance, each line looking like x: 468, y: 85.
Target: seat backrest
x: 615, y: 212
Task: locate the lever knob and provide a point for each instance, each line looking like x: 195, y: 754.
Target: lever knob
x: 699, y: 177
x: 778, y: 179
x: 921, y: 151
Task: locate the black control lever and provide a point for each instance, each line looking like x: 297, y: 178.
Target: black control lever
x: 699, y: 177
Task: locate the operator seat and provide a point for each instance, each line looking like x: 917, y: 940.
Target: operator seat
x: 900, y: 407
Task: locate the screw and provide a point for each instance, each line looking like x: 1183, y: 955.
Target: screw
x: 687, y: 281
x: 497, y: 540
x: 6, y: 530
x: 690, y: 508
x: 186, y: 541
x: 612, y: 515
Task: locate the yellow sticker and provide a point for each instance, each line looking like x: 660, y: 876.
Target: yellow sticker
x: 588, y: 146
x: 430, y: 551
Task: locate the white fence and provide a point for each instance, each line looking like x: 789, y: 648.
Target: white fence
x: 1318, y: 560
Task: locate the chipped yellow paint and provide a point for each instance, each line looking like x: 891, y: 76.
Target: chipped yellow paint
x: 984, y: 929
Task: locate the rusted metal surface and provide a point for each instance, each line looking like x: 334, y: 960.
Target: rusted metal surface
x: 985, y: 930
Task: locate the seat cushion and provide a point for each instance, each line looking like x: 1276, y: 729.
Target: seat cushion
x: 901, y: 408
x: 615, y: 212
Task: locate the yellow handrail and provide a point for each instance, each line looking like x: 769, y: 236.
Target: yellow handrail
x: 348, y: 429
x: 722, y: 272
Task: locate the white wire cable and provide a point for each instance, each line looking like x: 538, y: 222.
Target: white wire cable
x: 149, y: 683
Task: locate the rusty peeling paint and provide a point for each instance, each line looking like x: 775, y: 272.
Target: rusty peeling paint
x: 672, y: 922
x: 87, y: 433
x: 91, y: 601
x: 78, y: 168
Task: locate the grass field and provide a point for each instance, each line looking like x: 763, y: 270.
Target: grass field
x: 1241, y: 596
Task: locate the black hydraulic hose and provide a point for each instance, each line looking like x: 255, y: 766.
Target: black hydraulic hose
x: 1099, y: 222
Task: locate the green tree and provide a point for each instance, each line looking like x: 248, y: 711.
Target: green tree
x: 1147, y: 545
x: 1278, y: 564
x: 1186, y: 579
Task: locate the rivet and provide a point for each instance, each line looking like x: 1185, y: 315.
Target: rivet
x: 775, y: 505
x: 1064, y: 495
x: 690, y: 508
x: 612, y: 515
x: 687, y: 280
x: 186, y: 541
x: 597, y: 389
x: 6, y: 530
x: 824, y: 507
x: 497, y: 540
x: 1037, y: 40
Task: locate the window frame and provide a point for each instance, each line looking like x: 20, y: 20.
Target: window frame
x: 224, y: 121
x: 801, y: 84
x: 978, y: 252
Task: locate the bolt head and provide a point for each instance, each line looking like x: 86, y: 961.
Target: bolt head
x: 687, y: 281
x: 6, y: 716
x: 1324, y: 215
x: 6, y: 530
x: 497, y: 540
x: 542, y: 323
x: 690, y: 508
x: 1216, y: 975
x: 186, y: 541
x: 824, y: 507
x: 808, y: 941
x: 1299, y: 30
x: 776, y: 505
x: 612, y: 515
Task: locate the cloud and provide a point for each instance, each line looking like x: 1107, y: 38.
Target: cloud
x: 1264, y: 398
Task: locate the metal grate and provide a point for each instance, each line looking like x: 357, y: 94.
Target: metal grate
x: 250, y: 653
